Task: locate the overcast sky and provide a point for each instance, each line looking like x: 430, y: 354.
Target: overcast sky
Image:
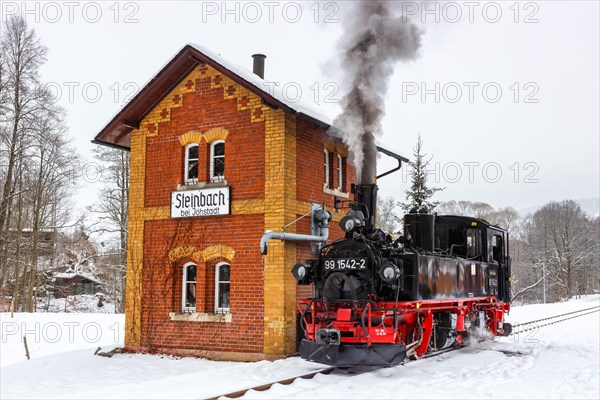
x: 505, y: 95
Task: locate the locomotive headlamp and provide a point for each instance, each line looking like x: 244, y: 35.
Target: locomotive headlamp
x: 389, y: 272
x: 352, y: 220
x: 299, y: 271
x: 347, y: 224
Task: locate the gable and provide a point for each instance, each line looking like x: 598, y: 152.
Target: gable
x: 161, y: 91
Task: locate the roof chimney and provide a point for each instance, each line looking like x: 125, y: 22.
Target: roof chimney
x: 258, y: 66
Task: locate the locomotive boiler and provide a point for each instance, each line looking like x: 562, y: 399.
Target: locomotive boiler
x: 379, y: 299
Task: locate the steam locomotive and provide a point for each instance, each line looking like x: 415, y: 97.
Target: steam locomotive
x: 378, y: 300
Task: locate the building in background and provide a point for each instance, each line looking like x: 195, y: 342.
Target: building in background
x: 66, y: 284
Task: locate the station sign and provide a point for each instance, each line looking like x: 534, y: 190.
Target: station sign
x: 200, y: 203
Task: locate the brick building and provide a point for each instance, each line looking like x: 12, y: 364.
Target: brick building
x: 217, y: 158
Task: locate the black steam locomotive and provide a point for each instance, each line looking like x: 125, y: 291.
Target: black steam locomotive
x: 377, y: 300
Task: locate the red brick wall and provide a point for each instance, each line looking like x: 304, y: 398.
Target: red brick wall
x: 162, y: 284
x: 309, y: 186
x: 201, y: 111
x: 310, y: 166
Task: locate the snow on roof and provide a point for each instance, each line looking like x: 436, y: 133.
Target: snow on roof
x: 70, y: 275
x: 301, y: 106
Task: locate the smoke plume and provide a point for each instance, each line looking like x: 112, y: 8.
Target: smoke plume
x: 374, y: 38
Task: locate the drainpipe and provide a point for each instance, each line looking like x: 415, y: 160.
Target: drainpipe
x: 319, y: 228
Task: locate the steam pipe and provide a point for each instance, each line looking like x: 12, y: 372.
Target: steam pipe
x: 264, y: 241
x: 393, y: 155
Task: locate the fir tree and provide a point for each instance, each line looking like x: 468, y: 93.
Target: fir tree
x: 419, y: 195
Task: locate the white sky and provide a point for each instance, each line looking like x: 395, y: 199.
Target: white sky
x: 555, y: 61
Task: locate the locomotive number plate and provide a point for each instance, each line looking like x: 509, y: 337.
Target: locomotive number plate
x: 345, y: 264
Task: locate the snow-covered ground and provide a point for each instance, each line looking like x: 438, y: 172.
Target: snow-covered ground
x: 559, y: 361
x: 81, y: 303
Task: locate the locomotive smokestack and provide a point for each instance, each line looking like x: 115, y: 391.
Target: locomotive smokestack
x: 375, y: 37
x: 366, y: 197
x: 258, y: 65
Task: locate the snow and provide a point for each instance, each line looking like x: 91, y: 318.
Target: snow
x: 81, y: 303
x: 69, y: 275
x: 558, y: 361
x: 299, y: 105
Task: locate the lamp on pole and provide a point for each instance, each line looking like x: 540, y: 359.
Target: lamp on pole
x: 544, y: 272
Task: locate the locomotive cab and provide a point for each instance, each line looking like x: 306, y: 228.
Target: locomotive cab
x: 478, y: 243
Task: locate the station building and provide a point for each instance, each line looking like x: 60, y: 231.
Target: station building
x: 218, y: 156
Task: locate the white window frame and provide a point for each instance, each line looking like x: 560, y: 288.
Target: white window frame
x: 217, y: 281
x: 340, y: 171
x: 326, y: 162
x: 186, y: 166
x: 214, y: 178
x: 185, y: 281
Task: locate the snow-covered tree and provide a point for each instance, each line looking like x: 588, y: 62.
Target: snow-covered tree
x: 563, y: 245
x: 419, y: 195
x: 387, y: 218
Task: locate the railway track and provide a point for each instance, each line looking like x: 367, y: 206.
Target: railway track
x: 517, y: 328
x: 287, y: 381
x: 539, y: 323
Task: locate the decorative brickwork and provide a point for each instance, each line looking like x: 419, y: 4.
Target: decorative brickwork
x: 218, y: 251
x: 215, y: 134
x: 189, y: 138
x: 189, y: 252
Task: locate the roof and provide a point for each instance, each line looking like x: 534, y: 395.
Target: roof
x: 71, y: 275
x: 117, y: 131
x: 466, y: 218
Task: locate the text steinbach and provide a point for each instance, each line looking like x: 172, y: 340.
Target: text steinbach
x: 200, y: 200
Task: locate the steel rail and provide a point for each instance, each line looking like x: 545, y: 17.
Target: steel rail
x: 535, y: 327
x: 328, y: 371
x: 596, y: 308
x: 266, y: 386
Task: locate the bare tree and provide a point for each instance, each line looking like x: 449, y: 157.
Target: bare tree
x: 466, y: 208
x: 22, y: 55
x: 111, y: 214
x: 507, y: 218
x: 387, y: 216
x: 35, y: 159
x: 563, y: 243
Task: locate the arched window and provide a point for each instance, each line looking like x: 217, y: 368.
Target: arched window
x: 222, y: 285
x: 188, y: 297
x: 191, y: 163
x: 326, y: 165
x: 217, y: 161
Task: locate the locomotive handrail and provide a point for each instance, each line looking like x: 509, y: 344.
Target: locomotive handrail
x: 303, y: 316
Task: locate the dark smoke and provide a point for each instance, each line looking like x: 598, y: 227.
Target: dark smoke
x: 374, y: 38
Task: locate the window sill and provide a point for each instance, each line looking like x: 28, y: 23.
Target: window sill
x: 336, y: 192
x: 200, y: 317
x: 202, y: 185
